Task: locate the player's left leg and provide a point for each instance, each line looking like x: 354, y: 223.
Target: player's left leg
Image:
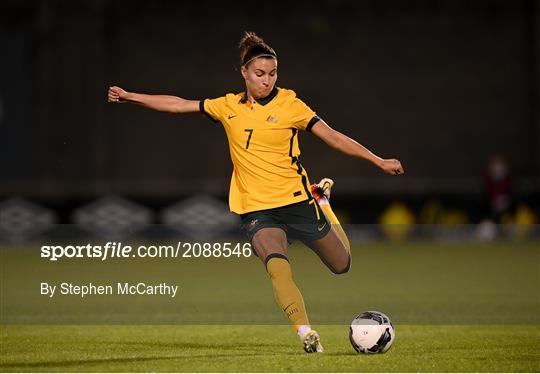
x: 334, y: 248
x: 321, y: 192
x: 332, y: 252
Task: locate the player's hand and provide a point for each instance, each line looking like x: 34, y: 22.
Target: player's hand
x: 392, y: 166
x: 116, y: 95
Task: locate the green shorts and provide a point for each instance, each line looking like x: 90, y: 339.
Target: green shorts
x: 304, y: 221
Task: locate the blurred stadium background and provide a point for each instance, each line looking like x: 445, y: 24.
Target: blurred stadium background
x: 449, y: 87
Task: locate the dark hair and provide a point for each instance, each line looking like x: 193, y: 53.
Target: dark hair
x: 251, y: 46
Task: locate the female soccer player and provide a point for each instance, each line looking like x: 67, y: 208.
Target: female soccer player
x: 269, y: 186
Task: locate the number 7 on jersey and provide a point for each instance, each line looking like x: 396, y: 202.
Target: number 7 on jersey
x: 249, y: 136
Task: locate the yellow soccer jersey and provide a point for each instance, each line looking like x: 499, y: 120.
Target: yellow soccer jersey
x: 263, y: 143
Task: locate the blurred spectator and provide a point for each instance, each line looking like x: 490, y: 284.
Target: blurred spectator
x: 525, y: 220
x: 431, y: 212
x: 498, y: 187
x: 434, y: 213
x: 397, y: 221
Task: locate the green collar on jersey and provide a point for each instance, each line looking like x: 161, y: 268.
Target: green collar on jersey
x: 264, y: 100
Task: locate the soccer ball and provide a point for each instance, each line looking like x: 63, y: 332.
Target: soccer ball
x: 371, y: 332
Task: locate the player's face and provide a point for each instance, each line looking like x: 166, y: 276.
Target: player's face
x: 260, y: 76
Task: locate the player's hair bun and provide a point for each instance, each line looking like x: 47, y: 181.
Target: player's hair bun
x: 249, y: 39
x: 252, y: 46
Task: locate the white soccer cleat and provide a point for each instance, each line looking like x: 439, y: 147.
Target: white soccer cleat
x: 322, y: 189
x: 326, y: 185
x: 312, y: 342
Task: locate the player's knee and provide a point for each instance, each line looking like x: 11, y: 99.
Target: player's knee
x: 277, y: 266
x: 344, y: 268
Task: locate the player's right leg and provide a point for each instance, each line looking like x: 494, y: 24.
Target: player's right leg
x: 270, y: 244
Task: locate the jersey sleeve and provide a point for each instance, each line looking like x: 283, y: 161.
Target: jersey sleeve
x: 303, y: 117
x: 213, y: 108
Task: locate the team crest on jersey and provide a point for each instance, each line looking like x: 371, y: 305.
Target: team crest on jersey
x: 271, y: 119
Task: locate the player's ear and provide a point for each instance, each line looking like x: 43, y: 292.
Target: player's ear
x: 243, y: 70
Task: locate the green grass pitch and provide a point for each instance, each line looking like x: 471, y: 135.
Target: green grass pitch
x: 418, y: 348
x: 456, y: 307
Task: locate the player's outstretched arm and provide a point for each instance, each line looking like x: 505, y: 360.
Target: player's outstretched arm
x: 162, y: 103
x: 350, y: 147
